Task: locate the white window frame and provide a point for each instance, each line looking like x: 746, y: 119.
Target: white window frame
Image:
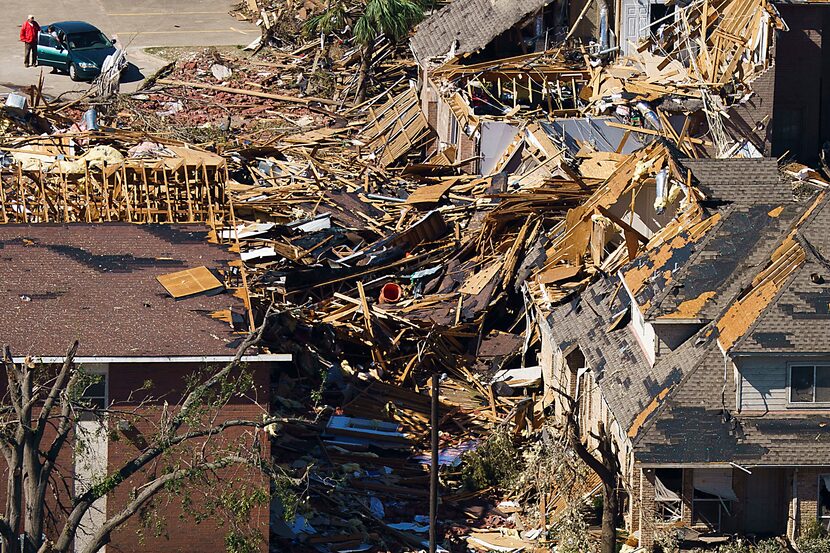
x: 805, y: 404
x: 98, y: 369
x: 455, y: 130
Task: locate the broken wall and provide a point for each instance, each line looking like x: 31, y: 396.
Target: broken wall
x: 801, y: 118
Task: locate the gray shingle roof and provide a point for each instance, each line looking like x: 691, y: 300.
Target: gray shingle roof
x: 627, y: 380
x: 696, y: 420
x: 798, y: 319
x: 753, y: 180
x: 759, y: 210
x: 473, y: 23
x: 692, y: 426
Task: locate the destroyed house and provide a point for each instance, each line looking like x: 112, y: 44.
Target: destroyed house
x: 150, y: 305
x: 707, y: 357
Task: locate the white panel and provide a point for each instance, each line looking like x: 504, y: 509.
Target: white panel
x: 91, y: 461
x: 715, y: 482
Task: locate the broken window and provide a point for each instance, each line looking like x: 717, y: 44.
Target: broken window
x: 810, y: 384
x: 824, y: 500
x: 713, y: 497
x: 668, y: 490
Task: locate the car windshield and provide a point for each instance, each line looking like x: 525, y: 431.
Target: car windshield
x: 87, y: 40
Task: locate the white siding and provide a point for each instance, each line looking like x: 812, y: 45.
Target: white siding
x: 763, y: 384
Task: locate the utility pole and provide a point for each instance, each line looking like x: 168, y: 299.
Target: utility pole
x: 433, y: 472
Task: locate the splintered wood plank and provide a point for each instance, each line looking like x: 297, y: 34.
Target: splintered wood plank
x: 189, y: 282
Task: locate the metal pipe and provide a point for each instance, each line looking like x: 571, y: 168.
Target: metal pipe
x: 433, y: 471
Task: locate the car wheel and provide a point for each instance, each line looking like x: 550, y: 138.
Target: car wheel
x: 73, y: 72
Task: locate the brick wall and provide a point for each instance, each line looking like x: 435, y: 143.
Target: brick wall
x: 468, y: 148
x: 182, y: 533
x: 807, y: 493
x: 179, y: 532
x: 647, y: 526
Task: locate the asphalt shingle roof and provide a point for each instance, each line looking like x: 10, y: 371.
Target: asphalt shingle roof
x: 97, y: 284
x: 682, y: 409
x: 473, y: 23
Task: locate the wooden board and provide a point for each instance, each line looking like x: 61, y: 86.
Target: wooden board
x: 189, y: 282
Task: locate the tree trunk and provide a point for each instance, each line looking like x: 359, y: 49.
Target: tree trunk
x: 608, y: 539
x: 606, y: 468
x: 365, y: 71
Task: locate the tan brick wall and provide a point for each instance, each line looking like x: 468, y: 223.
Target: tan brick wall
x: 807, y: 493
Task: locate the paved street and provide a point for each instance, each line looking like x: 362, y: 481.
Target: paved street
x: 137, y: 24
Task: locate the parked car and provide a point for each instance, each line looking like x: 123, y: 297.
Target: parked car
x: 74, y: 47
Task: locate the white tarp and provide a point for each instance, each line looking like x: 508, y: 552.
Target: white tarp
x: 662, y: 493
x: 717, y: 482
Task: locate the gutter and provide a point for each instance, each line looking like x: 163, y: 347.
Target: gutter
x: 267, y: 357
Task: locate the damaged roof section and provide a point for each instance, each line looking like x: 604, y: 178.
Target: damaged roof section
x: 98, y: 284
x: 787, y: 306
x: 465, y: 26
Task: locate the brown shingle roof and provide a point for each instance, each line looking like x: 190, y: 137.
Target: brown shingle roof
x: 473, y: 23
x: 97, y: 284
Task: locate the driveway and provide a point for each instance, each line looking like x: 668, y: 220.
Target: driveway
x: 137, y: 24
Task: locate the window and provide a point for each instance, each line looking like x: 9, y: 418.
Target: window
x: 453, y: 130
x: 668, y: 488
x: 95, y: 393
x: 810, y: 384
x: 47, y: 40
x: 88, y: 39
x: 824, y: 500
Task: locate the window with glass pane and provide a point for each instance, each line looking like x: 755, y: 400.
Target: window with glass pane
x: 802, y: 380
x: 823, y: 384
x: 95, y: 393
x: 810, y: 384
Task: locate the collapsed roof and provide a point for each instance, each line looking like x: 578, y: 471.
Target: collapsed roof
x: 465, y: 26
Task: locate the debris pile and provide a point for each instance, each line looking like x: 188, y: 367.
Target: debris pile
x: 421, y: 232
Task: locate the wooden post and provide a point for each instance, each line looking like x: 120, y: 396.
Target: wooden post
x: 3, y: 196
x: 433, y: 471
x: 44, y: 206
x: 189, y: 196
x: 105, y: 180
x: 22, y: 201
x: 146, y: 192
x: 125, y: 190
x: 86, y: 191
x: 211, y: 216
x: 167, y: 192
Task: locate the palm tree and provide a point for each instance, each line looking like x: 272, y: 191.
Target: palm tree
x: 390, y: 18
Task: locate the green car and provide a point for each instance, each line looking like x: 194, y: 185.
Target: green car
x: 74, y: 47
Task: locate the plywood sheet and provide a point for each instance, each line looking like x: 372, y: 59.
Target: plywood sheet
x: 189, y: 282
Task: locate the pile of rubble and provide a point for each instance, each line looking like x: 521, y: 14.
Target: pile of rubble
x: 416, y: 234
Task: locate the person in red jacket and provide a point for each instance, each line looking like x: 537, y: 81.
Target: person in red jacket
x: 28, y: 36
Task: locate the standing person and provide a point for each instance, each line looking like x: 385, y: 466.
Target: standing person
x: 28, y: 36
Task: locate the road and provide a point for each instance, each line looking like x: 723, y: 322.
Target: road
x: 137, y: 24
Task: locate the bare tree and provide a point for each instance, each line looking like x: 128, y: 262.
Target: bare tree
x: 38, y: 421
x: 606, y: 467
